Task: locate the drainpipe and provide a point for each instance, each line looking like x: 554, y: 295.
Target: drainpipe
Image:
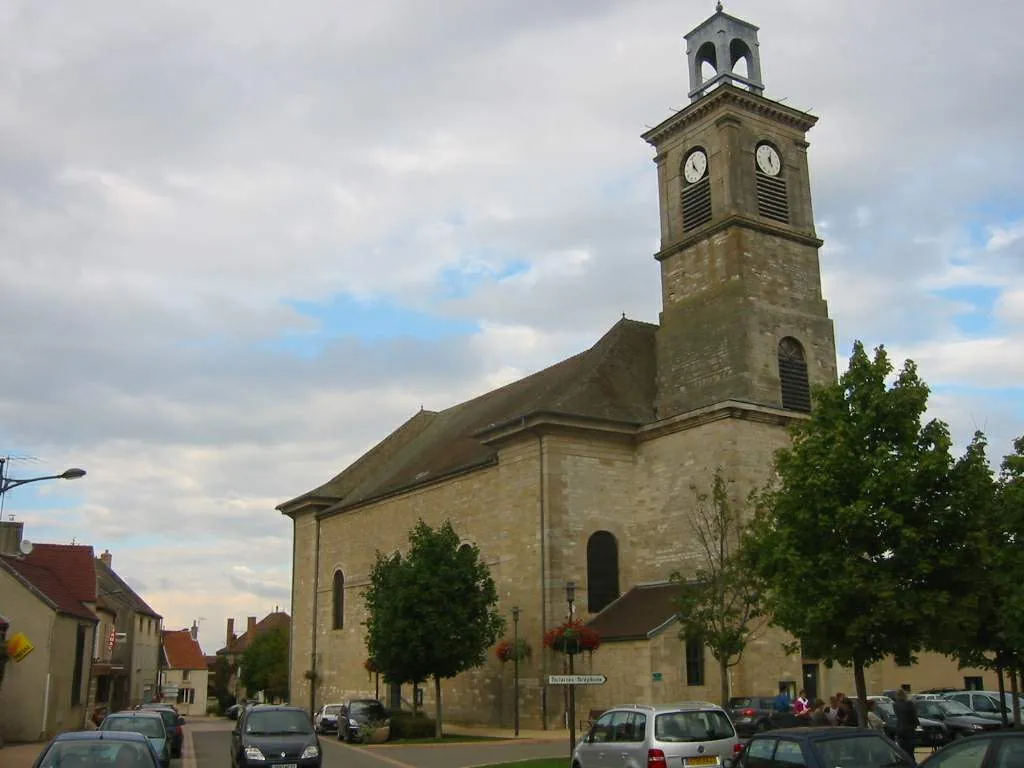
x: 541, y: 503
x: 312, y: 644
x: 291, y: 633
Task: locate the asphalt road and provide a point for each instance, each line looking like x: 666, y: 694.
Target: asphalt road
x: 212, y: 749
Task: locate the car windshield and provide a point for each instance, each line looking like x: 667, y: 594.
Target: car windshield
x: 153, y: 727
x: 278, y: 721
x: 955, y: 708
x: 168, y: 715
x: 707, y: 725
x: 868, y: 750
x: 97, y: 754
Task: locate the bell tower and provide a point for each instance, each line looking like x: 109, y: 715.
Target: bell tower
x: 742, y: 315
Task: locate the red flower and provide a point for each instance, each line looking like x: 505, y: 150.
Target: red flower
x: 506, y: 650
x: 572, y: 637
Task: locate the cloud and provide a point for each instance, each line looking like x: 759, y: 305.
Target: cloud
x: 207, y: 210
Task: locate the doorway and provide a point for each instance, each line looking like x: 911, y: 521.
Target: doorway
x: 810, y: 680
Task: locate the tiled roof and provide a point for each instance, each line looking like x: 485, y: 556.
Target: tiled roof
x: 115, y: 590
x: 181, y: 651
x: 613, y: 381
x: 275, y: 620
x: 636, y: 614
x: 60, y: 582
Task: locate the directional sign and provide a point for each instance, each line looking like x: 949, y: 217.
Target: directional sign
x: 577, y: 679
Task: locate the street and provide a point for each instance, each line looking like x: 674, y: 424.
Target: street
x: 211, y: 748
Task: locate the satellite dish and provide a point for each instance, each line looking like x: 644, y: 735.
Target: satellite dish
x: 25, y: 547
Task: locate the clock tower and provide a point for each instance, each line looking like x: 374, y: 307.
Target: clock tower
x: 742, y: 318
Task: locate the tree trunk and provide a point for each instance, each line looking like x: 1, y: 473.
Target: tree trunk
x: 862, y: 693
x: 1015, y: 691
x: 415, y: 699
x: 437, y: 707
x: 1002, y: 695
x: 723, y: 679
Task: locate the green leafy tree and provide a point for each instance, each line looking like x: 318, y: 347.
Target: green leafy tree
x: 719, y: 604
x: 852, y: 541
x: 431, y: 613
x: 223, y: 670
x: 264, y: 665
x: 1010, y: 563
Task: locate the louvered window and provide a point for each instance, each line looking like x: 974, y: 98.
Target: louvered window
x: 796, y: 388
x: 696, y: 204
x: 602, y: 570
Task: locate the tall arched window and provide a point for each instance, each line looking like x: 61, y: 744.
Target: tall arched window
x: 602, y: 570
x: 796, y: 389
x: 339, y: 600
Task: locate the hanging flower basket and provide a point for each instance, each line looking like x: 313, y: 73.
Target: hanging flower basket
x: 509, y: 651
x: 572, y: 637
x: 371, y: 667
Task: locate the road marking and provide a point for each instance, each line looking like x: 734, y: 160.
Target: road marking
x: 188, y: 754
x: 374, y: 755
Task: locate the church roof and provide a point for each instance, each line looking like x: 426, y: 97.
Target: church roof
x: 612, y: 381
x: 638, y: 614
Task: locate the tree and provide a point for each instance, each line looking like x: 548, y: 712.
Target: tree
x: 720, y: 603
x: 1010, y: 564
x: 222, y: 672
x: 852, y: 540
x: 264, y: 665
x: 431, y: 613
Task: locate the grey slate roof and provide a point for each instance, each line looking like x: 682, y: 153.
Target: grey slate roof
x: 115, y: 590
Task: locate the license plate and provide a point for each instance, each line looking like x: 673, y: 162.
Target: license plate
x: 703, y: 760
x: 286, y: 765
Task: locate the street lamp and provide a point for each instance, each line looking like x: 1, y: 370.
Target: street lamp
x: 515, y: 664
x: 6, y: 483
x: 570, y: 598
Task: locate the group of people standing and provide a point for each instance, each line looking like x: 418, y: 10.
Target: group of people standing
x: 840, y: 710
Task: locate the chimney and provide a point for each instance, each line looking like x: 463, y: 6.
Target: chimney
x: 250, y: 626
x: 10, y: 537
x: 195, y: 630
x: 107, y: 558
x: 231, y: 633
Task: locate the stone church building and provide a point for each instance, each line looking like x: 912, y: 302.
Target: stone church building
x: 582, y: 472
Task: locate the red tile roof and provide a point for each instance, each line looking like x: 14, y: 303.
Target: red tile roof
x: 275, y: 620
x: 60, y: 574
x: 182, y: 651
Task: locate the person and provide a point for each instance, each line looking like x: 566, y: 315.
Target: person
x: 819, y: 716
x: 802, y: 707
x: 782, y: 702
x: 832, y: 709
x: 874, y: 720
x: 906, y: 722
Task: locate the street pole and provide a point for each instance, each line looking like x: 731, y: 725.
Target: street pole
x: 515, y: 664
x: 570, y: 597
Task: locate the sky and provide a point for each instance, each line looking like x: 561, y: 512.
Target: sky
x: 240, y: 242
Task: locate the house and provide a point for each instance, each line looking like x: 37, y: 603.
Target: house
x: 47, y: 594
x: 235, y: 646
x: 184, y: 676
x: 135, y: 652
x: 584, y: 473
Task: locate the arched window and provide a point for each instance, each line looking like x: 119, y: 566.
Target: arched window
x: 602, y: 570
x: 796, y: 388
x: 339, y: 600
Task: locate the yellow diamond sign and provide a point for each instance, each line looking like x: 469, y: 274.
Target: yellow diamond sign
x: 18, y: 647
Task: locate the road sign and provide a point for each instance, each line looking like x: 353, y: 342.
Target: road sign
x: 577, y: 679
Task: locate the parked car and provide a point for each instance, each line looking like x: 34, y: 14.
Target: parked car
x: 361, y: 718
x: 823, y: 747
x: 985, y: 703
x: 326, y: 720
x: 98, y: 749
x: 994, y: 749
x: 232, y: 712
x: 929, y: 732
x: 173, y: 722
x: 960, y: 720
x: 274, y: 734
x: 643, y: 736
x: 756, y: 713
x: 149, y: 724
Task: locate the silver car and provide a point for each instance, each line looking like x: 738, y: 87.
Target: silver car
x: 691, y: 734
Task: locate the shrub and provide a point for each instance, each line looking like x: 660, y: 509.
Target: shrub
x: 406, y: 725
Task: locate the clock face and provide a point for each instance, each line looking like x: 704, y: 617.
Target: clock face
x: 768, y: 160
x: 696, y: 166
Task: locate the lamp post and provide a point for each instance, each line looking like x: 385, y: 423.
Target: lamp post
x: 570, y: 598
x: 515, y: 666
x: 6, y: 483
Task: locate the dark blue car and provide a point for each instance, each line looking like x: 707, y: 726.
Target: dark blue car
x: 98, y: 749
x: 826, y: 747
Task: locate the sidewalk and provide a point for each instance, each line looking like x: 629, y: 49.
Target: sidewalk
x: 20, y: 755
x: 525, y: 734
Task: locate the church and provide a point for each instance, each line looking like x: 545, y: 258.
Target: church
x: 576, y: 483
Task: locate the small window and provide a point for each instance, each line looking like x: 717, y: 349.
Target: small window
x: 184, y: 675
x: 339, y: 600
x: 77, y: 672
x: 793, y: 379
x: 602, y: 570
x: 694, y: 661
x: 973, y: 683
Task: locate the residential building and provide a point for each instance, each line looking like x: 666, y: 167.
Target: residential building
x: 235, y: 646
x: 184, y: 676
x: 584, y: 472
x: 135, y: 656
x: 47, y: 594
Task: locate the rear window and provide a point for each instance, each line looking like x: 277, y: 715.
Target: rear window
x: 741, y: 701
x: 153, y: 727
x: 97, y: 754
x: 281, y: 721
x: 333, y: 709
x: 168, y: 715
x: 372, y: 709
x: 704, y: 725
x: 858, y: 749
